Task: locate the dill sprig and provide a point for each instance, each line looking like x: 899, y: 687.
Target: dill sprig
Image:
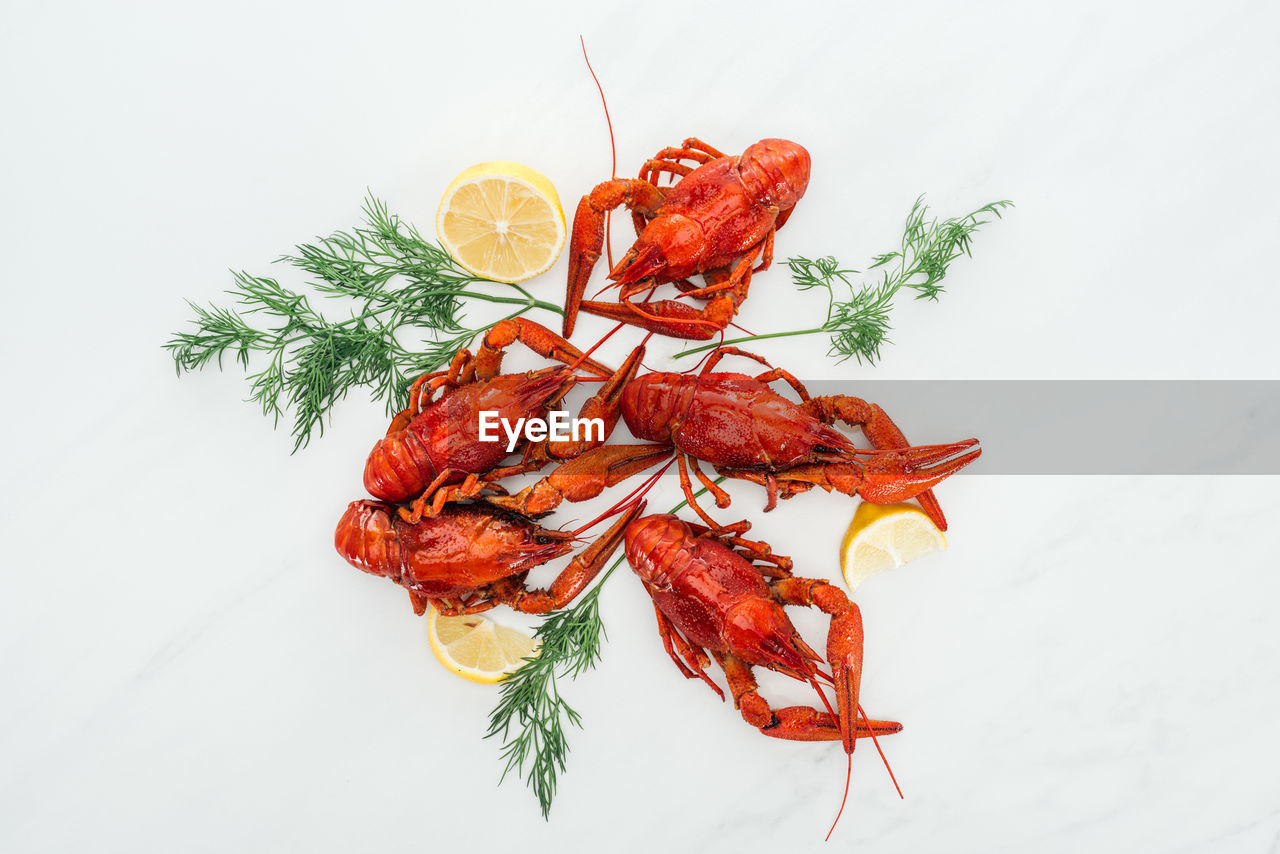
x: 859, y: 324
x: 403, y: 288
x: 569, y: 643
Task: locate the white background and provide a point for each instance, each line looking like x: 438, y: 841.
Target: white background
x: 187, y: 665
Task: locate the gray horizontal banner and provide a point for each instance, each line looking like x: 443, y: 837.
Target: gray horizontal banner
x: 1088, y: 426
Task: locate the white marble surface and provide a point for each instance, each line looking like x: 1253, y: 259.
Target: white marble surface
x: 187, y: 665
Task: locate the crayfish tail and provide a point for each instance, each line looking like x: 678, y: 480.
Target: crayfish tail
x: 366, y: 538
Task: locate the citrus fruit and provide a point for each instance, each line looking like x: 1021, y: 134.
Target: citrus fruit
x: 883, y: 536
x: 475, y: 647
x: 502, y: 221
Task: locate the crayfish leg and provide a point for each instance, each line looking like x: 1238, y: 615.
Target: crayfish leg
x: 580, y: 572
x: 844, y: 641
x: 793, y: 723
x: 881, y: 432
x: 535, y: 336
x: 587, y: 238
x: 695, y: 659
x: 668, y: 317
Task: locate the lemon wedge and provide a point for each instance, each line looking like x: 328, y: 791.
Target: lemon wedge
x: 475, y: 647
x: 884, y: 536
x: 502, y: 221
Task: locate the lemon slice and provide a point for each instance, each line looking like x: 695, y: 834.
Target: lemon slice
x: 475, y: 647
x: 883, y: 536
x: 502, y: 221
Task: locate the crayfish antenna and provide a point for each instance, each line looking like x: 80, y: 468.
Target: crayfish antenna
x: 596, y: 346
x: 707, y: 355
x: 613, y: 151
x: 848, y: 774
x: 883, y: 759
x: 631, y: 499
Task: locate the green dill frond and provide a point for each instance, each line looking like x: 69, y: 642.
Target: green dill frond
x: 818, y: 273
x: 928, y: 248
x: 860, y: 326
x: 404, y: 288
x: 858, y: 318
x: 531, y: 717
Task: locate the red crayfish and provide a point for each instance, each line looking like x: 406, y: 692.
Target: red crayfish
x: 432, y: 450
x: 469, y: 557
x: 715, y: 221
x: 743, y: 428
x: 450, y: 547
x: 711, y: 595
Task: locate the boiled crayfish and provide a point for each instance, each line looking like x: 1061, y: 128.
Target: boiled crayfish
x: 715, y: 221
x: 722, y: 594
x: 432, y: 451
x: 743, y: 428
x: 470, y: 556
x: 449, y: 547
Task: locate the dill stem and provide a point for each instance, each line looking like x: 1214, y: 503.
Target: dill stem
x: 529, y: 296
x: 729, y: 341
x: 530, y: 700
x: 528, y: 301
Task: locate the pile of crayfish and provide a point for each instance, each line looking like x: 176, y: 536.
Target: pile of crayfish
x: 443, y: 525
